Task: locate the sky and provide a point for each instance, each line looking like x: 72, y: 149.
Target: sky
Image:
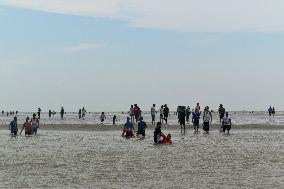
x: 106, y: 55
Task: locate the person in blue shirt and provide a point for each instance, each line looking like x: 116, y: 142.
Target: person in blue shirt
x: 128, y: 130
x: 141, y: 127
x: 195, y: 120
x: 14, y: 126
x: 270, y: 111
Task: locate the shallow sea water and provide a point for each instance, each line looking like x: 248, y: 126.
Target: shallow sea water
x: 72, y: 159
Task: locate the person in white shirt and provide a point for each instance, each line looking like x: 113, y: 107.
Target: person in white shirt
x: 207, y: 119
x: 153, y: 113
x: 227, y: 123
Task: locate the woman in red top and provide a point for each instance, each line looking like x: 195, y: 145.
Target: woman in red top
x: 137, y: 112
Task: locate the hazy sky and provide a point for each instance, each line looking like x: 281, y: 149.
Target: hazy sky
x: 108, y: 54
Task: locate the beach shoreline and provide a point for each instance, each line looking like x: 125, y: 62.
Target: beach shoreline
x: 102, y: 127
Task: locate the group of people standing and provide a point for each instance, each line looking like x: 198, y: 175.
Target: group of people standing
x: 82, y: 113
x: 164, y: 113
x: 30, y: 126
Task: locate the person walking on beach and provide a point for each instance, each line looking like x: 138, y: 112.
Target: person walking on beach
x: 153, y: 113
x: 35, y: 124
x: 162, y: 114
x: 131, y: 113
x: 195, y: 120
x: 166, y: 113
x: 27, y: 126
x: 188, y: 112
x: 158, y: 133
x: 14, y: 126
x: 227, y: 123
x: 62, y: 112
x: 137, y: 112
x: 141, y: 128
x: 221, y: 111
x: 207, y: 119
x: 103, y: 117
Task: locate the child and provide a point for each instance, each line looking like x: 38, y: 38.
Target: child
x: 103, y: 117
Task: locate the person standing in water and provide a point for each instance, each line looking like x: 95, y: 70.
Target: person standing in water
x: 62, y: 112
x: 166, y: 113
x: 182, y: 115
x: 153, y: 114
x: 273, y: 112
x: 27, y: 126
x: 35, y: 124
x: 103, y: 117
x: 270, y: 111
x: 114, y: 119
x: 227, y: 123
x: 131, y: 114
x: 14, y: 126
x: 221, y: 111
x: 195, y: 120
x: 188, y: 112
x: 38, y: 112
x: 137, y: 112
x: 80, y: 113
x: 207, y: 119
x: 162, y: 114
x: 83, y: 113
x: 141, y: 128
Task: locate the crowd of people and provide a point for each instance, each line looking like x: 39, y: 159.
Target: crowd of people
x: 31, y: 126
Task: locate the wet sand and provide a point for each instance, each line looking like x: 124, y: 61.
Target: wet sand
x: 101, y: 127
x: 57, y: 158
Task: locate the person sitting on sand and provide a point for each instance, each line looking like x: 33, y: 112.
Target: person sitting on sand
x: 14, y: 126
x: 128, y: 130
x: 167, y: 139
x: 103, y: 117
x: 141, y: 127
x: 227, y: 123
x: 158, y: 133
x: 28, y: 127
x: 207, y: 119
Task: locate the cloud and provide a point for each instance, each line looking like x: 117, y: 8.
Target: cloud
x: 83, y: 47
x: 179, y: 15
